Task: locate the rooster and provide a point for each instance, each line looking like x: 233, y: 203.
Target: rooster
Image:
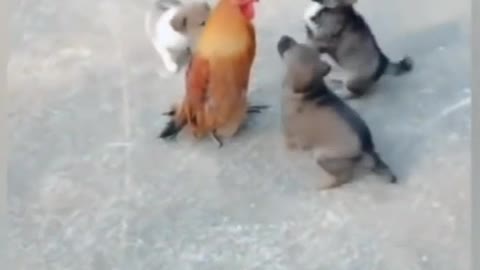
x: 217, y: 76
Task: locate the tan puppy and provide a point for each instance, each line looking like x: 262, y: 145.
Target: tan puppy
x: 316, y: 120
x: 173, y: 28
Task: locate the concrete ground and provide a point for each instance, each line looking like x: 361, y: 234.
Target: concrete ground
x: 90, y: 186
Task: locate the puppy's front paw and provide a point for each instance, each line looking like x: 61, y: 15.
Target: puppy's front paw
x: 172, y: 67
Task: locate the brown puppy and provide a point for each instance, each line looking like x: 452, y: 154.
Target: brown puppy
x: 316, y: 120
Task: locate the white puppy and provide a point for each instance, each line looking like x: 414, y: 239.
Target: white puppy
x: 173, y: 28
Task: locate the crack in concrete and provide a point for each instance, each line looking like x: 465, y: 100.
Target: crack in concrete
x: 126, y: 113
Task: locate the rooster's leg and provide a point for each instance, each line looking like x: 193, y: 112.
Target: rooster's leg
x: 217, y: 139
x: 257, y: 108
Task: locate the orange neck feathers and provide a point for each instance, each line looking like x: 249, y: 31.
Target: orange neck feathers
x: 246, y: 7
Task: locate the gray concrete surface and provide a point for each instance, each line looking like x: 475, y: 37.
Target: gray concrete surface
x: 90, y: 186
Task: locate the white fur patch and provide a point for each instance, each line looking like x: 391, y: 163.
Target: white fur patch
x: 165, y: 39
x: 311, y: 10
x: 164, y: 33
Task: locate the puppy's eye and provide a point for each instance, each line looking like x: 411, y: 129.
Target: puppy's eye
x: 202, y: 24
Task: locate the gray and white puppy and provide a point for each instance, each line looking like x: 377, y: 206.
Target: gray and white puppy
x: 334, y: 27
x: 318, y: 121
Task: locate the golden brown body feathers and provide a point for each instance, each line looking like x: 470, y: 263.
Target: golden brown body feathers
x: 218, y: 75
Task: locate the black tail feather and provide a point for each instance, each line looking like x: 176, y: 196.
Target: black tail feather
x: 171, y: 130
x: 169, y: 113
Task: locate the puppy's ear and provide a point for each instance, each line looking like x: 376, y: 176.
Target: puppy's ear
x: 206, y: 6
x: 179, y: 22
x: 284, y: 44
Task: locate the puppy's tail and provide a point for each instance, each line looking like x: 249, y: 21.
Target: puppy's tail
x: 373, y: 162
x: 401, y: 67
